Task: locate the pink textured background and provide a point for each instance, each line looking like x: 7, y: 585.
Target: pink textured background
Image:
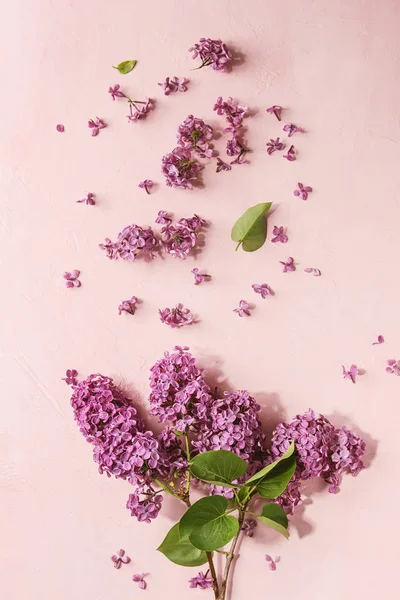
x: 335, y: 65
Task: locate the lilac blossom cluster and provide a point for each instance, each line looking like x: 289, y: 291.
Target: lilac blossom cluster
x: 195, y: 135
x: 138, y: 109
x: 132, y: 242
x: 122, y: 445
x: 234, y: 114
x: 322, y: 451
x: 212, y: 53
x: 180, y: 238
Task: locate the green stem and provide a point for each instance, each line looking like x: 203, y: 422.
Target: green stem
x: 237, y: 247
x: 230, y: 557
x: 187, y: 446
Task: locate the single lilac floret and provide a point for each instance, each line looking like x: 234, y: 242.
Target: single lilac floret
x: 128, y: 306
x: 380, y: 340
x: 243, y: 309
x: 274, y: 145
x: 393, y: 367
x: 288, y: 265
x: 291, y: 154
x: 351, y: 373
x: 60, y: 128
x: 89, y: 199
x: 302, y: 191
x: 272, y: 562
x: 201, y: 581
x: 262, y: 289
x: 95, y: 125
x: 139, y: 578
x: 291, y: 129
x: 119, y: 559
x: 71, y: 377
x: 275, y: 110
x: 147, y: 184
x: 71, y: 278
x: 279, y: 235
x: 199, y: 277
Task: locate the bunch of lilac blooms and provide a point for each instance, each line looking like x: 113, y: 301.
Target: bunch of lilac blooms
x: 132, y: 242
x: 195, y: 135
x: 234, y: 114
x: 322, y: 451
x: 212, y: 53
x: 177, y: 316
x: 138, y: 109
x: 179, y: 169
x: 180, y: 238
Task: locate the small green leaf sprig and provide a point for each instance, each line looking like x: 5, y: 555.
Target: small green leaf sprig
x: 250, y: 230
x: 126, y: 66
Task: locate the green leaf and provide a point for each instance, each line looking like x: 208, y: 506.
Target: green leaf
x: 268, y: 468
x: 180, y: 550
x: 275, y: 517
x: 219, y: 467
x: 207, y: 525
x: 250, y: 229
x: 126, y: 66
x: 275, y: 483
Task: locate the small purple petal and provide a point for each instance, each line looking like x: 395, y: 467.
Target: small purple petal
x: 60, y: 128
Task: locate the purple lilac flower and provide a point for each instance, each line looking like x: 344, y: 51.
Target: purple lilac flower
x: 222, y: 166
x: 291, y: 129
x: 279, y: 235
x: 235, y: 146
x: 195, y: 135
x: 147, y: 184
x: 262, y: 289
x: 393, y: 366
x: 139, y: 578
x: 233, y: 112
x: 288, y: 265
x: 243, y: 309
x: 89, y: 199
x: 60, y: 128
x: 144, y: 509
x: 71, y: 377
x: 180, y: 169
x: 351, y: 373
x: 380, y: 340
x: 119, y: 559
x: 321, y: 452
x: 174, y: 84
x: 315, y: 272
x: 291, y: 154
x: 249, y: 526
x: 116, y: 92
x: 128, y: 306
x: 199, y: 277
x: 71, y: 278
x: 138, y: 109
x: 274, y: 145
x: 179, y: 239
x: 201, y: 581
x: 212, y: 53
x: 176, y: 317
x: 95, y: 125
x: 163, y: 218
x: 275, y: 110
x: 132, y: 242
x: 303, y: 191
x: 272, y: 562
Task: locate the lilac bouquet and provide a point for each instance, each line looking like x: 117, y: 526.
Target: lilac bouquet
x: 214, y: 441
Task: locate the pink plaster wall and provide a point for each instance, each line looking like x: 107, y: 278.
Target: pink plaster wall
x: 335, y: 66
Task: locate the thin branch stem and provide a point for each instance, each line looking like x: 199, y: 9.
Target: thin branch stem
x: 230, y: 557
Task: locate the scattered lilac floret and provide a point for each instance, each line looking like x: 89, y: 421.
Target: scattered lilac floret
x: 116, y: 92
x: 291, y: 129
x: 174, y: 84
x: 380, y: 340
x: 262, y: 289
x: 222, y: 166
x: 163, y: 218
x: 243, y: 309
x: 201, y: 581
x: 147, y: 184
x: 279, y: 235
x: 95, y: 125
x: 199, y: 277
x: 176, y: 317
x: 315, y: 272
x: 274, y: 145
x: 235, y: 146
x: 303, y: 191
x: 60, y: 128
x: 249, y: 526
x: 71, y: 377
x: 351, y: 373
x: 291, y: 154
x: 89, y: 199
x: 275, y: 110
x: 393, y: 367
x: 272, y: 562
x: 234, y: 113
x: 288, y: 265
x: 138, y: 109
x: 128, y: 306
x: 212, y: 53
x: 119, y: 559
x: 139, y: 578
x: 71, y: 279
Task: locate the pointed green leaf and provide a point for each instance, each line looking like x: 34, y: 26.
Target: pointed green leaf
x: 207, y: 525
x: 260, y: 474
x: 275, y: 517
x: 180, y: 550
x: 250, y: 229
x: 219, y: 467
x: 276, y: 481
x: 126, y: 66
